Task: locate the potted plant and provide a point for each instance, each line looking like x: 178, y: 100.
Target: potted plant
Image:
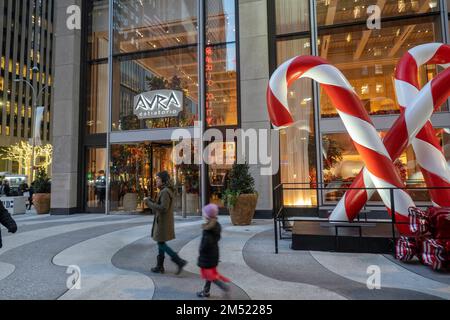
x: 41, y: 196
x: 190, y: 188
x: 240, y: 196
x: 131, y: 197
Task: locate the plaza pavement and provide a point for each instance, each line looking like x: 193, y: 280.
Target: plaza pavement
x: 115, y: 253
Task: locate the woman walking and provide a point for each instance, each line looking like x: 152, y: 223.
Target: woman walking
x: 7, y: 221
x: 163, y: 222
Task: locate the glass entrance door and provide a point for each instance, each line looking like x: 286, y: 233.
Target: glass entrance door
x: 95, y: 180
x: 161, y: 161
x: 133, y: 170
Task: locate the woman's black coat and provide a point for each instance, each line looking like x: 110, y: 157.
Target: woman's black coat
x: 7, y: 221
x: 209, y: 245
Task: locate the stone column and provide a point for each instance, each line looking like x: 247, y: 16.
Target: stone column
x: 65, y: 112
x: 254, y: 77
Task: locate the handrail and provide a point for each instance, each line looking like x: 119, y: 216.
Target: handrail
x: 360, y: 188
x: 279, y: 207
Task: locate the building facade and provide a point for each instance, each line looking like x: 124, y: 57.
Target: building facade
x: 26, y: 42
x: 218, y: 56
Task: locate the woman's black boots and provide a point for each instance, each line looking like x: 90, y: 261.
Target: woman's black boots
x: 159, y: 264
x: 180, y: 263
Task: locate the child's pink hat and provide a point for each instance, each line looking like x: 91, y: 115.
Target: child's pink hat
x: 210, y: 211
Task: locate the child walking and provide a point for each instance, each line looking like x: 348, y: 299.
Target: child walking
x: 209, y: 253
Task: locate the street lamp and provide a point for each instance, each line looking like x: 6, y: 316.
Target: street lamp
x: 35, y: 99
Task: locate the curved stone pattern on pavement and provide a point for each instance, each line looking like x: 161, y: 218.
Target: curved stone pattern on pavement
x: 6, y: 269
x: 354, y: 267
x: 301, y: 266
x: 115, y: 254
x: 141, y: 256
x: 256, y: 285
x: 99, y: 278
x: 35, y: 276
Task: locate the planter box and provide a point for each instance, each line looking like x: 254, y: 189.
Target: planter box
x: 14, y: 205
x: 41, y: 202
x: 190, y: 203
x: 130, y: 202
x: 244, y: 210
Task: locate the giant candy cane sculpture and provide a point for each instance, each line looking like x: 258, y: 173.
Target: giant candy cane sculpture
x: 426, y: 147
x: 380, y: 168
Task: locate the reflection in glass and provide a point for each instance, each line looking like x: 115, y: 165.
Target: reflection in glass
x: 341, y: 163
x: 95, y: 179
x: 171, y: 69
x: 97, y: 99
x: 297, y: 143
x: 188, y: 173
x: 133, y: 170
x: 98, y: 24
x: 368, y: 59
x: 154, y: 24
x: 221, y: 85
x: 292, y: 16
x: 220, y: 23
x: 340, y: 11
x: 133, y: 167
x: 219, y: 167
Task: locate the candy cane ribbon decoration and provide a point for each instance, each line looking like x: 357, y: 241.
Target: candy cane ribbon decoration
x: 380, y: 168
x: 426, y: 146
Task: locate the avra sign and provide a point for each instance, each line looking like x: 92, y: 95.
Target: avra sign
x: 158, y: 104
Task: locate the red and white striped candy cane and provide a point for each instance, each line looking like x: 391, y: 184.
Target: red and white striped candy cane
x: 379, y: 165
x: 427, y: 149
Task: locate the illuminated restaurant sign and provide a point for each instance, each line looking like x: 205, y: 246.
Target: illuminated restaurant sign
x: 158, y: 104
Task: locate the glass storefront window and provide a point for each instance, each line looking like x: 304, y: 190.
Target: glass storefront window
x: 297, y: 143
x: 132, y: 173
x: 341, y: 161
x: 133, y: 170
x: 292, y: 16
x: 219, y: 167
x: 98, y: 24
x: 341, y: 164
x: 97, y: 99
x: 368, y: 59
x: 331, y: 12
x: 95, y: 179
x: 155, y: 24
x: 188, y: 176
x: 220, y: 23
x: 172, y: 70
x: 221, y: 85
x: 155, y: 48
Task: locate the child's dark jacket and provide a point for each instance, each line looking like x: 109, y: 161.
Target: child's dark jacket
x: 209, y: 245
